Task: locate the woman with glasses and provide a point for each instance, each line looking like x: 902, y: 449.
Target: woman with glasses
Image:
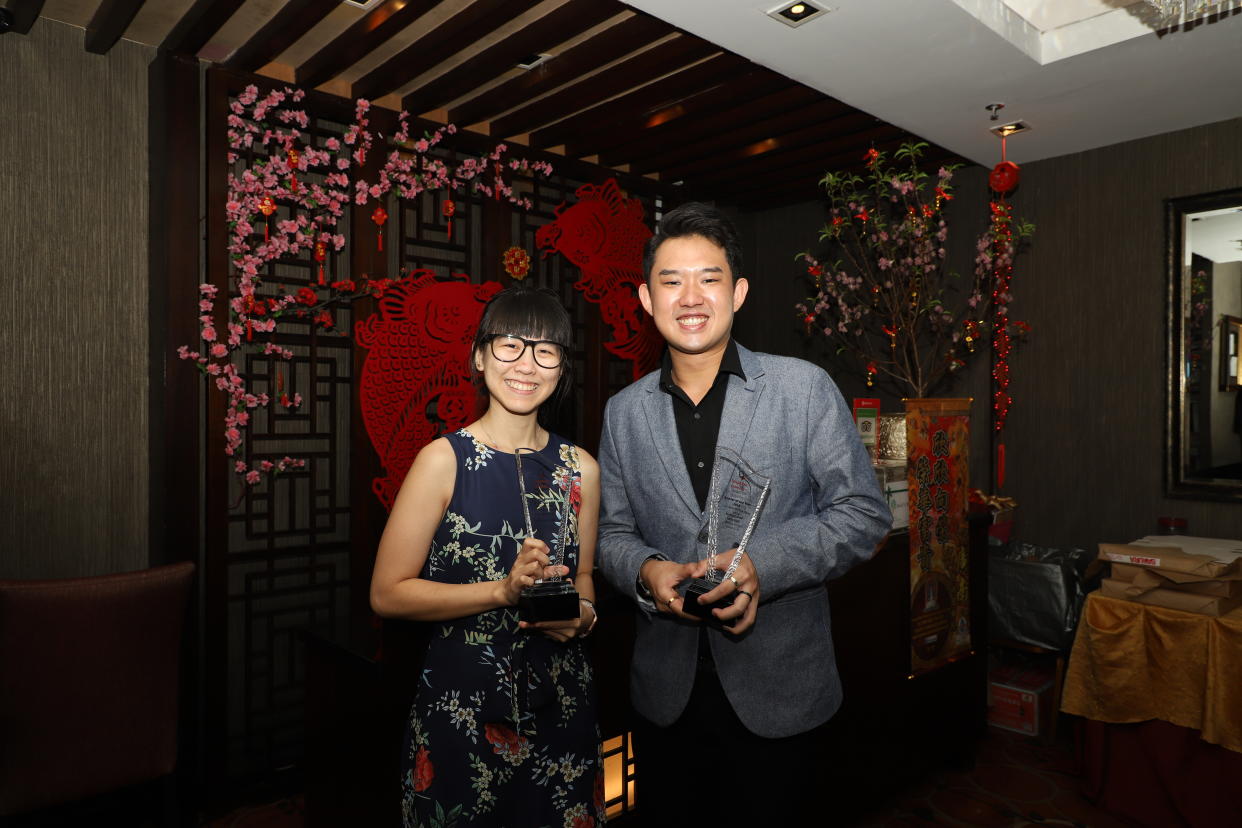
x: 502, y: 731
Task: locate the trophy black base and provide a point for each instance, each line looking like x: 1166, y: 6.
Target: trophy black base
x: 549, y: 601
x: 691, y: 590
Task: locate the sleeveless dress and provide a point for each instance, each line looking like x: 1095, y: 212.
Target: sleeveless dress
x: 503, y: 728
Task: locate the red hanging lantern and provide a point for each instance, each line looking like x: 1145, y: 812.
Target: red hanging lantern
x: 321, y: 253
x: 379, y: 216
x: 1004, y: 177
x: 447, y: 208
x: 267, y: 206
x: 293, y: 157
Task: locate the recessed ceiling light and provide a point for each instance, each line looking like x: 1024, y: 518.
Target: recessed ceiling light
x: 795, y: 14
x: 531, y: 61
x: 362, y: 4
x: 1011, y: 128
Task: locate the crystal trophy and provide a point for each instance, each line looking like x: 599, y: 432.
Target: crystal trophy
x: 732, y: 510
x: 549, y: 599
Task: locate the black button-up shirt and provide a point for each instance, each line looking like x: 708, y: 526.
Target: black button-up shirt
x: 698, y: 426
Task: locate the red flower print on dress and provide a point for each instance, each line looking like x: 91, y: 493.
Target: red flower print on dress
x: 503, y: 740
x: 423, y: 771
x: 599, y: 792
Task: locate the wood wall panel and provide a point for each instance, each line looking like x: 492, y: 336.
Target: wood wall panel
x: 73, y: 305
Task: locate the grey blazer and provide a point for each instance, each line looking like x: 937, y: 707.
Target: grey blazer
x: 824, y: 514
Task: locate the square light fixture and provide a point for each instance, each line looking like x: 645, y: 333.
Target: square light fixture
x: 795, y: 14
x: 1011, y: 128
x: 362, y: 4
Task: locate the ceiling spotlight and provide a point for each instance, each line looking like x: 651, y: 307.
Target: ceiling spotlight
x: 795, y: 14
x: 362, y: 4
x: 1011, y: 128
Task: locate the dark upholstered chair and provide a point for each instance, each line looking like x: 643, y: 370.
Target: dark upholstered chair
x: 89, y: 673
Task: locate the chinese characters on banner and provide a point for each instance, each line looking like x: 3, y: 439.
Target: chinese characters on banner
x: 938, y: 444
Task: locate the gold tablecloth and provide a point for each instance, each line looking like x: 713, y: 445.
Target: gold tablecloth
x: 1133, y: 662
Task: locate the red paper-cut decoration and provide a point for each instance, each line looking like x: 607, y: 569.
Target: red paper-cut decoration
x: 380, y: 216
x: 267, y: 206
x: 321, y: 253
x: 448, y: 208
x: 418, y: 363
x: 293, y: 157
x: 603, y: 235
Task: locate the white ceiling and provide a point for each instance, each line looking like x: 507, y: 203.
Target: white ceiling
x: 1081, y: 73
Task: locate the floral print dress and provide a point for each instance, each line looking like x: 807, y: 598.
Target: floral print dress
x: 503, y: 728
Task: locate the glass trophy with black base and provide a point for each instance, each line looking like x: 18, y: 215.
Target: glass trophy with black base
x: 732, y: 511
x: 548, y: 599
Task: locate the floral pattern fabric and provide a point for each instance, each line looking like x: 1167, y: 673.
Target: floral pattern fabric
x: 503, y: 728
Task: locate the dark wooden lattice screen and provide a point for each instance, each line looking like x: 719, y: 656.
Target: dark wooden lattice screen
x: 295, y: 552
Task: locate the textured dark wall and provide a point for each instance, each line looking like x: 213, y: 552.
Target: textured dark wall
x: 73, y: 305
x: 1085, y: 437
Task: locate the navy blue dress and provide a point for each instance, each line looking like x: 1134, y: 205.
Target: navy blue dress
x: 503, y: 728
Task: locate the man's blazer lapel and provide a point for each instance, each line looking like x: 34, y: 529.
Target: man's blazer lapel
x: 658, y: 407
x: 739, y: 411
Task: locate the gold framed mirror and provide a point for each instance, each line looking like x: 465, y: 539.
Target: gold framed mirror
x: 1204, y: 417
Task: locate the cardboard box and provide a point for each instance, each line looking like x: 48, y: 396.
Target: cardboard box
x: 1178, y: 599
x: 1020, y: 699
x: 1152, y: 578
x: 1177, y: 561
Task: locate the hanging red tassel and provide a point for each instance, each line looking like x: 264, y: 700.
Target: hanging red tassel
x: 249, y: 313
x: 267, y: 206
x: 293, y: 157
x: 1000, y: 466
x: 448, y: 208
x: 321, y: 253
x: 379, y: 217
x: 496, y: 191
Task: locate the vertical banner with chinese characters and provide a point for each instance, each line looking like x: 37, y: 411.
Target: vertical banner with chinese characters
x: 938, y: 444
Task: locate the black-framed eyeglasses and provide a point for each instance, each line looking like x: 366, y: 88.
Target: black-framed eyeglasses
x: 509, y: 348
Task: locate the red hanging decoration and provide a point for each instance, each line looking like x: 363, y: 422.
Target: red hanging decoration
x: 321, y: 253
x: 249, y: 313
x: 1005, y: 175
x: 447, y: 208
x: 496, y: 188
x: 380, y: 216
x: 517, y: 262
x: 293, y: 157
x: 267, y: 206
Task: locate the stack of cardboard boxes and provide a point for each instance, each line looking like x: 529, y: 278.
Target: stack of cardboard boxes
x: 1186, y: 573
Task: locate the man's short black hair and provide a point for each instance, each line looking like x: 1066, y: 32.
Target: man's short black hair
x: 696, y: 219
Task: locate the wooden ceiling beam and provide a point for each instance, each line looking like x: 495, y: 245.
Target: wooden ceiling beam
x: 25, y: 13
x: 451, y: 37
x: 602, y: 117
x: 368, y: 32
x: 199, y: 25
x: 808, y: 124
x: 809, y: 165
x: 618, y: 79
x: 611, y: 44
x: 557, y: 26
x: 109, y: 22
x: 630, y: 118
x: 295, y: 18
x: 728, y: 108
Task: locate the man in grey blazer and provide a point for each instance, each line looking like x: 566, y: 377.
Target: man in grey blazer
x: 725, y: 709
